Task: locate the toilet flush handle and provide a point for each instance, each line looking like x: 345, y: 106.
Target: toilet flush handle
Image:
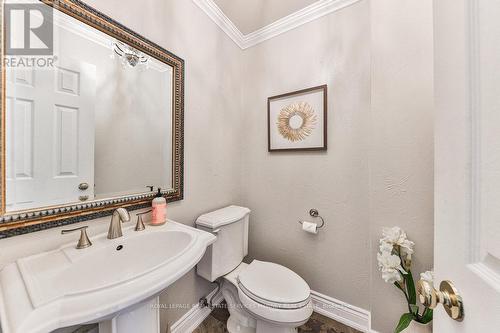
x: 216, y: 231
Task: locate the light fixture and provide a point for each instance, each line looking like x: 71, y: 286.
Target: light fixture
x: 129, y: 55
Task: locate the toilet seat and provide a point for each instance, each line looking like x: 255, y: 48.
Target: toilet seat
x: 273, y: 285
x: 273, y: 293
x: 262, y: 306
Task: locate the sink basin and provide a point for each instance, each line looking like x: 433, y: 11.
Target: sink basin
x: 69, y: 271
x: 66, y: 286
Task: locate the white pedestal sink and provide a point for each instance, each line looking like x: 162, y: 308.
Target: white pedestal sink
x: 109, y: 282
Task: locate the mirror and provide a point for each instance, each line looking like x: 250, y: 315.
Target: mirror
x: 98, y: 121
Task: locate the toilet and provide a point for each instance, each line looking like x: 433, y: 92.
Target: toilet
x: 262, y: 297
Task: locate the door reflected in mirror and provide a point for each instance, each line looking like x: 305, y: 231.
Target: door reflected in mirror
x: 98, y: 124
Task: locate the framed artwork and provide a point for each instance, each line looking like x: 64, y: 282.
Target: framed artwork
x: 298, y: 120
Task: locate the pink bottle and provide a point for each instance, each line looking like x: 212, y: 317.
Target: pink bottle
x: 159, y: 212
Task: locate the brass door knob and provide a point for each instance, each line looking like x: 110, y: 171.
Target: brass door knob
x: 446, y: 295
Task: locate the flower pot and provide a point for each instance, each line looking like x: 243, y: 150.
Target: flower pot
x: 416, y: 327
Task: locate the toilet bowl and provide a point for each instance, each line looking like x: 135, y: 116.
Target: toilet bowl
x: 262, y: 297
x: 265, y: 297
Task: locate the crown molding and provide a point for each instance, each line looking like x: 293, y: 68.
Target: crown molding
x: 307, y: 14
x: 215, y: 13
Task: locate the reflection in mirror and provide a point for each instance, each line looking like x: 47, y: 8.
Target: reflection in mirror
x: 97, y: 124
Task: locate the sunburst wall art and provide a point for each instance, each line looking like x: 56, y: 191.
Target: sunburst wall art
x: 297, y: 120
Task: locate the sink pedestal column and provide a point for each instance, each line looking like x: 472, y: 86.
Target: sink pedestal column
x: 144, y: 317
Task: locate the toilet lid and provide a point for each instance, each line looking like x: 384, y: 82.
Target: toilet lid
x: 222, y: 216
x: 274, y: 285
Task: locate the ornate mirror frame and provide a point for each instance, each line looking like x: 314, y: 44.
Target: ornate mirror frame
x: 16, y: 223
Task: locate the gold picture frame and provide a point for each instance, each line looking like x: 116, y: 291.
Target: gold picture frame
x: 313, y: 121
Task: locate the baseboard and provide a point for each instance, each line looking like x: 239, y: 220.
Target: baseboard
x: 342, y: 312
x: 327, y: 306
x: 194, y: 317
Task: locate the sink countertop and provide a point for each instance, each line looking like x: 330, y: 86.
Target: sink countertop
x: 19, y: 315
x: 13, y: 248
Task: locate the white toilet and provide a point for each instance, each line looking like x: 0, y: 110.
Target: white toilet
x: 262, y: 297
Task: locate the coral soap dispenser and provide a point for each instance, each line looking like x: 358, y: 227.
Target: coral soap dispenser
x: 159, y: 212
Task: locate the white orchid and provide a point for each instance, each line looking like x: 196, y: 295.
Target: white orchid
x: 390, y: 266
x: 428, y: 276
x: 396, y: 236
x: 394, y: 261
x: 386, y: 247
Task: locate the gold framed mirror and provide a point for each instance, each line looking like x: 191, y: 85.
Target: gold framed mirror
x: 94, y: 125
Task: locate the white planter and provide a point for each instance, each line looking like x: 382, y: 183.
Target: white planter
x: 416, y: 327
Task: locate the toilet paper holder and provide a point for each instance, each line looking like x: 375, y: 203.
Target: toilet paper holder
x: 314, y: 213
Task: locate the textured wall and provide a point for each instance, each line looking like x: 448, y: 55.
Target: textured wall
x: 401, y: 140
x: 280, y: 188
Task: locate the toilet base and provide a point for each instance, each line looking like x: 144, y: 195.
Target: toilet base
x: 239, y: 320
x: 235, y: 326
x: 265, y: 327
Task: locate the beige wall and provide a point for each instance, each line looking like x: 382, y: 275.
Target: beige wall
x: 378, y: 170
x: 401, y: 143
x: 280, y: 188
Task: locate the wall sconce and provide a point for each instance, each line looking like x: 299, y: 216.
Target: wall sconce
x: 129, y: 55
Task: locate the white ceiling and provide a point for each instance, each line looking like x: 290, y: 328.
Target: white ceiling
x: 251, y: 15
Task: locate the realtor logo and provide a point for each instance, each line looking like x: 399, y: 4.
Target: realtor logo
x: 29, y: 29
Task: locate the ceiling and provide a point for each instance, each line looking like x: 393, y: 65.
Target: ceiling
x: 251, y: 15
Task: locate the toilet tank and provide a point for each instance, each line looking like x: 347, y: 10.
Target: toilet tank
x: 230, y: 225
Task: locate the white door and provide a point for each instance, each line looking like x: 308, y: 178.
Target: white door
x: 50, y: 134
x: 467, y: 160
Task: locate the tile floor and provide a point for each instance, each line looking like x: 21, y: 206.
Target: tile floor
x: 215, y: 323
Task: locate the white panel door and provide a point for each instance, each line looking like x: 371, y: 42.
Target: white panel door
x: 50, y: 134
x: 467, y: 160
x: 73, y: 130
x: 24, y: 98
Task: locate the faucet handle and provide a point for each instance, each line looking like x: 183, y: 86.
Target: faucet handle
x: 140, y: 223
x: 84, y: 240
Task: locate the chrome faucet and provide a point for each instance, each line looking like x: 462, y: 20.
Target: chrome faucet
x: 115, y: 227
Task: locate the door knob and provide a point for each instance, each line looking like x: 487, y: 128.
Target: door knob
x: 83, y: 186
x: 446, y: 295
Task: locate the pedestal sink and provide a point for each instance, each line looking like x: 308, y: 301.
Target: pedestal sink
x: 66, y: 286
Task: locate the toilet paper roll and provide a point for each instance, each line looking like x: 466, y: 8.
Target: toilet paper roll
x: 310, y: 227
